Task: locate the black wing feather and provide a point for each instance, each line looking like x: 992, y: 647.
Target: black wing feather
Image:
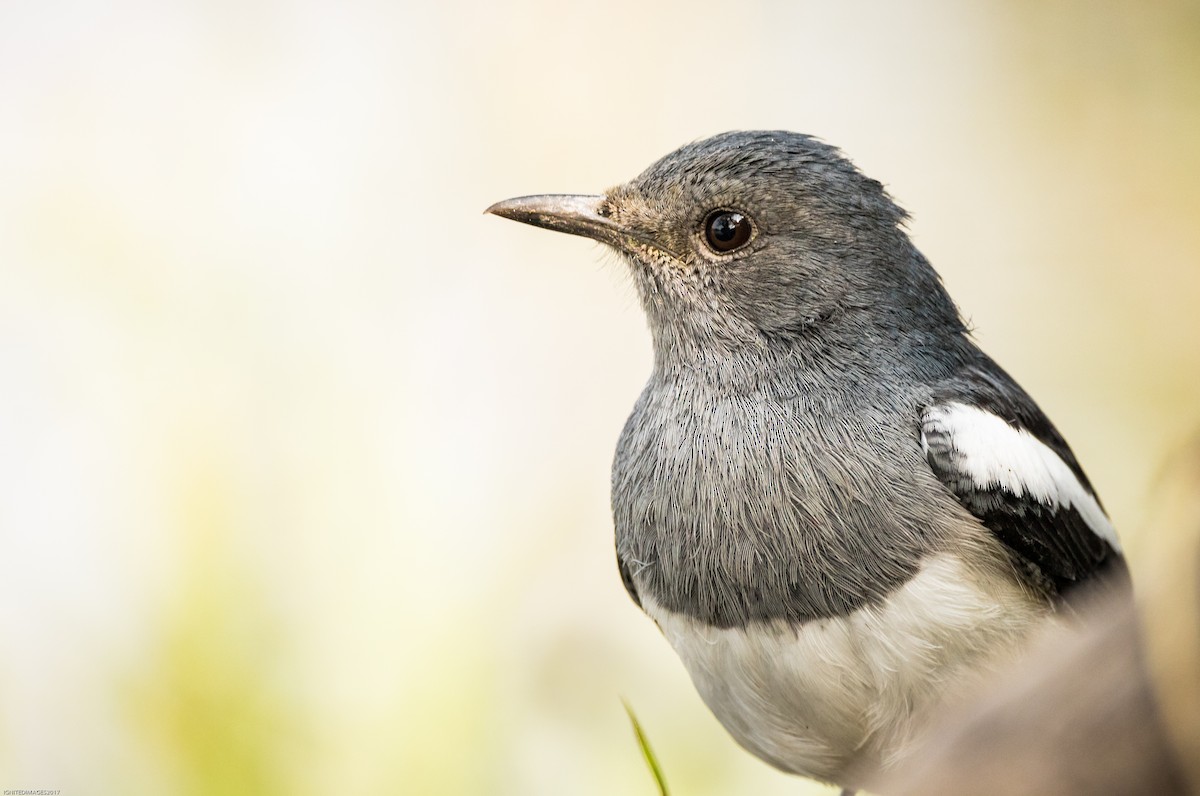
x: 1054, y: 545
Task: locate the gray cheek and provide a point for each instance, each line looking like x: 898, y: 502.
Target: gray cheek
x: 775, y: 296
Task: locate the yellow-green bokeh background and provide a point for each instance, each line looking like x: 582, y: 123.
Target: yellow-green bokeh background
x: 304, y: 461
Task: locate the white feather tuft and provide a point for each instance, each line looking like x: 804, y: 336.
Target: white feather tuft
x: 993, y: 453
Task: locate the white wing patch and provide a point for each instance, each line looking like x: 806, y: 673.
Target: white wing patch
x: 994, y: 454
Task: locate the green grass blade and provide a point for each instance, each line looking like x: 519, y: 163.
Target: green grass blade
x: 647, y: 752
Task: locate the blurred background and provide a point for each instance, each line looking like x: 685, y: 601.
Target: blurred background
x: 304, y: 461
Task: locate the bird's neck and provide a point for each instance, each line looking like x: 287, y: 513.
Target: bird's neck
x: 849, y: 346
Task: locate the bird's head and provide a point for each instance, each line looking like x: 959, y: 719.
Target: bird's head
x: 754, y: 239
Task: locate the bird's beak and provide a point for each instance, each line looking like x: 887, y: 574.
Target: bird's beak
x: 575, y: 215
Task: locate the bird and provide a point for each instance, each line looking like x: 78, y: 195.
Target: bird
x: 837, y: 509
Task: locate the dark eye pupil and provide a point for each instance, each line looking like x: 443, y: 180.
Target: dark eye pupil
x: 725, y: 227
x: 726, y: 230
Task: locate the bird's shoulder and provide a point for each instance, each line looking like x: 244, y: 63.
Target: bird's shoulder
x: 991, y: 445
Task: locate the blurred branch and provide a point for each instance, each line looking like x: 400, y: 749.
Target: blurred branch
x: 1170, y: 597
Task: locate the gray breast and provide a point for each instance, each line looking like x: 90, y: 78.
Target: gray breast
x: 732, y: 506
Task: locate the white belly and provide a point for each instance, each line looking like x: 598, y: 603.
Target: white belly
x: 837, y: 696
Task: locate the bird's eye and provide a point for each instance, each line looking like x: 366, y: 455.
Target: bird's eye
x: 726, y: 230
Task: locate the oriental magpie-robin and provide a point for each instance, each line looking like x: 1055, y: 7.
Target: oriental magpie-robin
x: 839, y: 511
